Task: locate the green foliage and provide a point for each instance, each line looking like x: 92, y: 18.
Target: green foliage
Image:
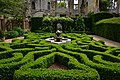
x: 11, y: 7
x: 11, y: 34
x: 50, y: 23
x: 56, y: 19
x: 108, y: 28
x: 61, y: 5
x: 2, y: 34
x: 14, y: 33
x: 79, y: 23
x: 85, y: 59
x: 103, y: 4
x: 36, y: 23
x: 19, y: 30
x: 102, y: 15
x: 45, y: 61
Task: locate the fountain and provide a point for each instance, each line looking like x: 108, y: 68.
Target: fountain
x: 58, y: 39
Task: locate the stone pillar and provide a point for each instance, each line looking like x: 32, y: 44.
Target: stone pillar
x: 39, y: 4
x: 53, y: 7
x: 70, y: 6
x: 79, y: 5
x: 119, y: 6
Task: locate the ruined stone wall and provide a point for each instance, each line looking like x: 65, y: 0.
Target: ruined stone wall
x: 93, y: 6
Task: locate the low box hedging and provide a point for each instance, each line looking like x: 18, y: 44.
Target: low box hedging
x: 108, y: 28
x: 9, y: 65
x: 97, y: 48
x: 105, y: 69
x: 107, y: 72
x: 83, y: 72
x: 16, y: 57
x: 4, y: 48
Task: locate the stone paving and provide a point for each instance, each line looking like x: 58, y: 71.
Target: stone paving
x: 107, y: 41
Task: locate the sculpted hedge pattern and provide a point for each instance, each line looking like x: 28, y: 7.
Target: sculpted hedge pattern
x: 86, y: 59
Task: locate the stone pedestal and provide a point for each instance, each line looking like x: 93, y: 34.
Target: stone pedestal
x: 58, y: 39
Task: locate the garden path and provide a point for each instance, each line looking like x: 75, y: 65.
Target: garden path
x: 10, y: 40
x: 107, y: 41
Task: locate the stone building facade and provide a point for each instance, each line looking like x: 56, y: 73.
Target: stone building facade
x: 71, y: 8
x: 115, y: 6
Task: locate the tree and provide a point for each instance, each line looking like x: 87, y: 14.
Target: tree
x: 61, y: 5
x: 104, y: 4
x: 11, y: 7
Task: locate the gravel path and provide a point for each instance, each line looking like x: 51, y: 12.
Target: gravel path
x: 57, y: 65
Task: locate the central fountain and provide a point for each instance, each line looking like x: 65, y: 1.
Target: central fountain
x: 58, y: 39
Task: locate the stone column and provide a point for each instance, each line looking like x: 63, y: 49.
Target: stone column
x: 79, y: 5
x: 70, y: 6
x: 39, y: 4
x: 53, y: 7
x: 119, y: 6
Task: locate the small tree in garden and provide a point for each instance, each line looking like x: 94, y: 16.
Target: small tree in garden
x: 61, y: 5
x: 104, y: 4
x: 79, y: 23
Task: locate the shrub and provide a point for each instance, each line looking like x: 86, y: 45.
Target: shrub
x: 52, y: 21
x: 11, y: 34
x: 102, y: 15
x: 36, y: 23
x: 1, y: 34
x: 33, y: 70
x: 19, y: 30
x: 79, y: 24
x: 108, y: 28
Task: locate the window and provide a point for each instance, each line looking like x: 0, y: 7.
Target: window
x: 33, y: 5
x: 75, y: 4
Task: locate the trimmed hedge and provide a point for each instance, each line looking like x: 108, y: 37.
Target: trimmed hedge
x: 83, y: 72
x: 102, y: 15
x: 84, y: 58
x: 105, y: 69
x: 108, y: 28
x: 36, y: 23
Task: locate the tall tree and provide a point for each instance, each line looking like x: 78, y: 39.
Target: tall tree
x: 104, y: 4
x: 11, y: 7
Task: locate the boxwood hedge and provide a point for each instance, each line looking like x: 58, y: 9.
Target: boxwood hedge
x: 85, y: 59
x: 108, y: 28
